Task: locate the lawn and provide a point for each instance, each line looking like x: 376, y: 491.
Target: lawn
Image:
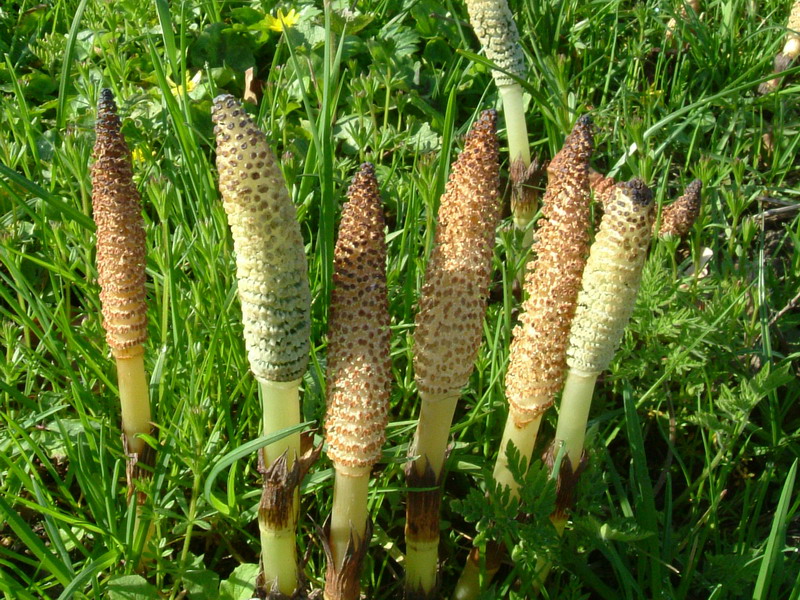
x: 693, y: 439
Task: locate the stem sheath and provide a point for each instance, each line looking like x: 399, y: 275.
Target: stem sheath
x: 422, y: 511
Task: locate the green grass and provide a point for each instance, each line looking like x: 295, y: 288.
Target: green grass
x: 694, y: 433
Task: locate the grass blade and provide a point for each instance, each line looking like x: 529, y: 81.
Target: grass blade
x: 66, y: 72
x: 26, y: 535
x: 231, y: 457
x: 777, y: 535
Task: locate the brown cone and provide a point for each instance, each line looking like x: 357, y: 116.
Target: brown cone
x: 359, y: 364
x: 538, y: 351
x: 117, y: 211
x: 677, y: 218
x: 453, y: 300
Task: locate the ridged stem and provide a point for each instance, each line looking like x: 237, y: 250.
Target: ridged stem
x: 470, y: 584
x: 422, y: 561
x: 518, y: 150
x: 280, y: 401
x: 543, y: 564
x: 279, y: 558
x: 573, y: 416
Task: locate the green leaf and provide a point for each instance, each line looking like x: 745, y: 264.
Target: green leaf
x: 130, y: 587
x: 437, y: 51
x: 400, y: 41
x: 241, y: 584
x: 221, y: 46
x: 247, y: 15
x: 38, y: 86
x: 49, y: 199
x: 618, y: 530
x: 207, y: 48
x: 239, y: 49
x: 767, y: 381
x: 201, y: 584
x: 423, y: 139
x: 731, y: 570
x: 89, y: 573
x: 66, y: 70
x: 352, y: 25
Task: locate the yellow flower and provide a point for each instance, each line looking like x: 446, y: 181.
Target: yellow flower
x: 138, y: 155
x: 282, y: 20
x: 187, y: 86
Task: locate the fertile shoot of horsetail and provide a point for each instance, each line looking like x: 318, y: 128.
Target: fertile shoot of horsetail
x: 605, y: 303
x: 117, y: 211
x: 359, y: 378
x: 538, y: 351
x: 497, y: 32
x: 678, y: 218
x: 602, y: 186
x: 448, y: 335
x: 273, y: 289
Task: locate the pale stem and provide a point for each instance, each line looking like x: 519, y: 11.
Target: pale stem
x: 429, y: 446
x: 422, y: 564
x: 468, y: 586
x: 524, y: 439
x: 527, y: 242
x: 792, y: 47
x: 279, y: 558
x: 433, y: 431
x: 280, y: 401
x: 543, y: 564
x: 134, y: 396
x: 518, y: 148
x: 349, y: 514
x: 516, y: 128
x: 573, y: 413
x: 543, y: 568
